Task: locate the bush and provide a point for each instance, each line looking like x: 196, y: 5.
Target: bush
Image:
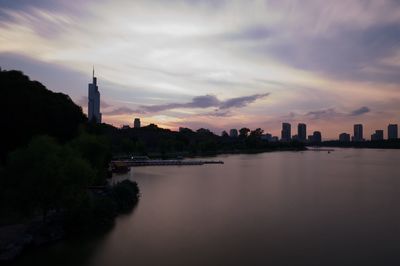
x: 125, y: 195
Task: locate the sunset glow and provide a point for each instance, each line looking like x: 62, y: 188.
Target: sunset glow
x: 216, y: 64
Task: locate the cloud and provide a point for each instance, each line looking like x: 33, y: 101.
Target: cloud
x: 331, y: 113
x: 241, y: 101
x: 206, y: 101
x: 201, y: 102
x: 197, y: 102
x: 323, y: 114
x: 218, y: 113
x: 255, y: 33
x: 121, y: 111
x: 360, y: 111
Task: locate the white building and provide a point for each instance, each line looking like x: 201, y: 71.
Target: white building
x: 94, y: 101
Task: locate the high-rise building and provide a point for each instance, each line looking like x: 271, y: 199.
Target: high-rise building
x: 378, y: 135
x: 302, y: 132
x: 393, y: 131
x: 358, y: 132
x: 136, y: 123
x: 344, y: 137
x: 286, y: 133
x: 317, y: 137
x: 94, y: 101
x: 233, y: 133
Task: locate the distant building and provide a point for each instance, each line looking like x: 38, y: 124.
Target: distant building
x: 274, y: 139
x: 378, y: 135
x: 233, y: 133
x: 344, y: 137
x: 136, y: 123
x: 286, y: 132
x: 393, y: 131
x: 94, y: 101
x: 358, y: 133
x: 317, y: 137
x: 310, y: 138
x: 126, y: 127
x: 302, y: 132
x: 266, y: 137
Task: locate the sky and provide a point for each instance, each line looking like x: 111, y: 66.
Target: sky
x: 215, y: 64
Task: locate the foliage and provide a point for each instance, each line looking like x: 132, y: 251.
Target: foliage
x: 96, y: 150
x: 45, y: 176
x: 28, y: 109
x: 125, y: 195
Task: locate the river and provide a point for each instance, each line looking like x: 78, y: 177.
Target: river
x: 278, y: 208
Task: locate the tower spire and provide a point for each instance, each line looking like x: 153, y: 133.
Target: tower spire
x: 93, y: 72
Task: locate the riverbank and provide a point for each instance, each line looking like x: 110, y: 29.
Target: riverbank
x: 95, y: 215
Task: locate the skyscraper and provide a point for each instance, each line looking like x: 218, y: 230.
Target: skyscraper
x: 302, y: 132
x: 358, y: 132
x: 378, y: 135
x: 344, y: 137
x: 136, y: 123
x: 286, y: 133
x: 317, y: 137
x: 94, y: 101
x: 392, y: 131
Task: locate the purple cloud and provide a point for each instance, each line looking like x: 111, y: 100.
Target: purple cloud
x: 360, y: 111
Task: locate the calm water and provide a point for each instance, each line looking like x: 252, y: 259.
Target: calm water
x: 282, y: 208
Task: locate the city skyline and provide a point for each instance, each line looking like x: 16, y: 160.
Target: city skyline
x: 216, y: 64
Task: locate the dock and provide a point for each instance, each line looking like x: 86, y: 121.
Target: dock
x: 322, y: 149
x: 137, y: 163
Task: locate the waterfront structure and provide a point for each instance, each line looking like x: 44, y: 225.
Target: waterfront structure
x: 393, y: 131
x: 358, y: 132
x: 344, y: 137
x: 233, y: 133
x: 317, y: 137
x: 378, y: 135
x: 94, y: 114
x: 136, y: 123
x: 286, y: 132
x: 302, y: 132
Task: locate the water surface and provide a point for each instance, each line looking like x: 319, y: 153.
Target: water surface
x: 280, y: 208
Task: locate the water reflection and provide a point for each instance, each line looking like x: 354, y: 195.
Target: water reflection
x: 282, y: 208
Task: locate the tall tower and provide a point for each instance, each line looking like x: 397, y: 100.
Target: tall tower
x: 393, y: 131
x: 302, y: 132
x: 358, y: 133
x: 286, y: 133
x: 94, y: 101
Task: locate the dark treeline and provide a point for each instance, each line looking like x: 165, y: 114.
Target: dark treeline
x: 376, y: 144
x: 53, y: 163
x: 154, y: 141
x: 28, y: 109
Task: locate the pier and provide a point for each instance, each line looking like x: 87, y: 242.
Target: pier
x: 137, y: 163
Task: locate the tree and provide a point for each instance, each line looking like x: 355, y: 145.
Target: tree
x: 39, y: 112
x: 96, y: 150
x: 46, y: 176
x: 243, y: 132
x: 224, y: 134
x: 257, y: 132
